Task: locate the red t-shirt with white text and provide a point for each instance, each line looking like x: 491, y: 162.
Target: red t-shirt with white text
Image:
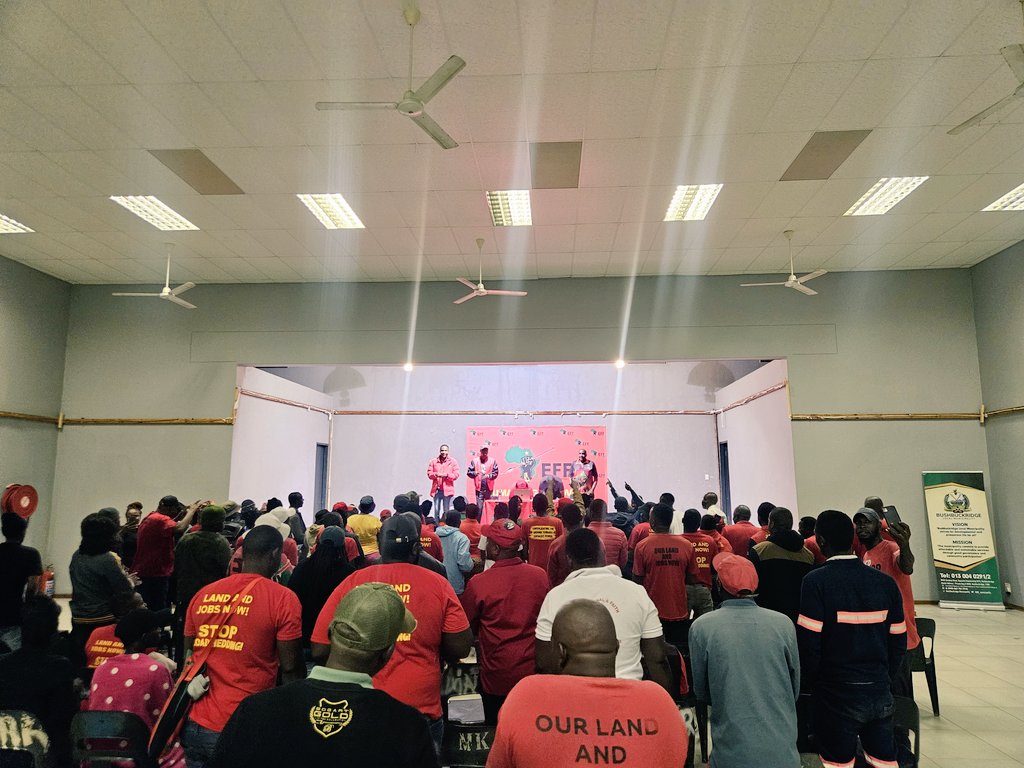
x: 705, y: 548
x: 663, y: 561
x: 413, y: 675
x: 244, y: 657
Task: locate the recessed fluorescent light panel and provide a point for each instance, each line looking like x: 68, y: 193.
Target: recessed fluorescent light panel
x: 9, y: 226
x: 885, y: 194
x: 155, y: 212
x: 692, y: 202
x: 510, y: 208
x: 333, y: 211
x: 1011, y: 201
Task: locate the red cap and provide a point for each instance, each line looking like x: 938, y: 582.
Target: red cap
x: 504, y: 533
x: 735, y: 573
x: 340, y: 505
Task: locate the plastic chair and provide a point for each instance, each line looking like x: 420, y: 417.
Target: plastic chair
x: 466, y: 746
x: 106, y: 737
x: 23, y: 740
x: 921, y: 662
x: 907, y: 715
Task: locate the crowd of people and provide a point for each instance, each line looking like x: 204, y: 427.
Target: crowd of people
x: 590, y: 624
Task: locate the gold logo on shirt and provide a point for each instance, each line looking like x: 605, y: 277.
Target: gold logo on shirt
x: 329, y: 717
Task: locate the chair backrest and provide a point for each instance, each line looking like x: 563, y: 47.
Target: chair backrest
x: 466, y: 746
x: 110, y: 736
x: 906, y: 715
x: 926, y: 629
x: 23, y: 740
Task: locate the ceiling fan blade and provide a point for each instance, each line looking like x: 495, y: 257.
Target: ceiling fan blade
x: 804, y: 289
x: 1014, y: 55
x: 467, y: 297
x: 505, y: 293
x: 136, y: 294
x: 439, y: 79
x: 973, y: 121
x: 755, y: 285
x: 179, y: 302
x: 329, y: 106
x: 466, y: 283
x: 182, y: 288
x: 812, y: 275
x: 435, y: 131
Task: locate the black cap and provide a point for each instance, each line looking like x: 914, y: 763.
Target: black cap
x: 366, y: 504
x: 399, y: 534
x: 169, y: 501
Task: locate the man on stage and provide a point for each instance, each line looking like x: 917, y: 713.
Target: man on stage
x: 442, y: 472
x: 584, y: 472
x: 484, y: 472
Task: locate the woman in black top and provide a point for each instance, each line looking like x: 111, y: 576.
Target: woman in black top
x: 315, y: 578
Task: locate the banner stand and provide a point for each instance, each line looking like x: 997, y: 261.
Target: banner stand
x: 963, y: 549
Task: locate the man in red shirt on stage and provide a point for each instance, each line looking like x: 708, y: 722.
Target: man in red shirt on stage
x: 704, y: 547
x: 442, y: 471
x: 665, y: 563
x: 504, y: 620
x: 484, y: 471
x: 413, y: 675
x: 896, y: 560
x: 583, y: 714
x: 540, y: 530
x: 261, y: 635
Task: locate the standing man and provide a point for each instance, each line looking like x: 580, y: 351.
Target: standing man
x: 541, y: 529
x: 584, y: 472
x: 739, y: 533
x: 154, y: 553
x: 455, y: 547
x: 852, y: 638
x: 442, y: 472
x: 590, y: 702
x: 616, y: 547
x: 895, y: 559
x: 710, y: 506
x: 781, y: 561
x: 484, y: 471
x: 261, y: 635
x: 558, y: 562
x: 129, y: 533
x: 746, y: 666
x: 698, y: 594
x: 200, y: 558
x: 413, y: 674
x: 296, y: 523
x: 20, y: 569
x: 366, y: 527
x: 664, y: 563
x: 504, y: 620
x: 635, y: 616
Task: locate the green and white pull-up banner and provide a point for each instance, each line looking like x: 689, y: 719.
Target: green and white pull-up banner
x: 963, y: 550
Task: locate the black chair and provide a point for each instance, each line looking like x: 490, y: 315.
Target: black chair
x: 106, y: 737
x: 466, y: 745
x: 23, y: 740
x: 922, y: 662
x: 907, y: 715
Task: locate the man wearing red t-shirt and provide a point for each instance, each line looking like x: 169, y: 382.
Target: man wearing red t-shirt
x: 540, y: 530
x: 413, y: 675
x: 504, y: 620
x: 806, y: 528
x: 471, y: 527
x: 154, y: 550
x: 896, y: 560
x: 583, y: 714
x: 740, y: 532
x: 704, y: 548
x: 615, y: 545
x: 261, y: 635
x: 665, y: 563
x: 558, y: 562
x: 764, y: 509
x: 429, y: 541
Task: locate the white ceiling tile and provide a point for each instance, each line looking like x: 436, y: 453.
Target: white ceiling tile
x: 743, y: 98
x: 842, y: 231
x: 389, y: 28
x: 886, y: 257
x: 611, y: 163
x: 250, y: 108
x: 812, y: 257
x: 419, y: 209
x: 145, y: 172
x: 758, y: 232
x: 266, y: 40
x: 128, y: 109
x: 447, y: 170
x: 136, y: 271
x: 242, y: 244
x: 555, y: 106
x: 635, y: 236
x: 942, y: 88
x: 595, y: 237
x: 504, y: 165
x: 239, y: 270
x: 591, y: 264
x: 989, y: 152
x: 102, y: 178
x: 851, y: 256
x: 243, y: 210
x: 787, y: 199
x: 279, y: 242
x: 86, y: 245
x: 1010, y: 226
x: 618, y: 104
x: 307, y: 268
x: 436, y: 241
x: 887, y: 228
x: 853, y: 29
x: 337, y: 36
x: 188, y: 34
x: 928, y: 28
x: 647, y: 203
x: 379, y: 268
x: 376, y: 209
x: 30, y: 127
x: 876, y: 89
x: 478, y: 30
x: 981, y: 193
x: 929, y: 228
x: 995, y: 25
x: 631, y: 40
x: 498, y: 112
x: 927, y: 254
x: 193, y: 113
x: 397, y: 242
x: 74, y: 272
x: 934, y: 193
x: 558, y: 239
x: 925, y: 151
x: 595, y: 205
x: 809, y: 94
x: 694, y: 235
x: 275, y: 269
x: 17, y: 68
x: 556, y: 36
x: 705, y: 34
x: 465, y: 209
x: 836, y: 197
x: 774, y: 33
x: 734, y: 260
x: 555, y: 206
x: 42, y: 170
x: 64, y: 108
x: 774, y: 259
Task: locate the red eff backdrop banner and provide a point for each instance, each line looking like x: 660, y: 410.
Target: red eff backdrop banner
x: 531, y: 453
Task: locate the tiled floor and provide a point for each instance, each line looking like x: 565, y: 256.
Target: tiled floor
x: 979, y: 661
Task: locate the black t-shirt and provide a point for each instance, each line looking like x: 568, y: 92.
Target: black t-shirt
x: 319, y: 723
x: 17, y: 563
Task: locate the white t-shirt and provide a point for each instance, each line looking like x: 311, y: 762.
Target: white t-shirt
x: 632, y: 611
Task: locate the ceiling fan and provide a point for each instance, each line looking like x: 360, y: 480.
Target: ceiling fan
x: 412, y: 102
x: 478, y: 289
x: 793, y: 281
x: 168, y: 293
x: 1014, y: 55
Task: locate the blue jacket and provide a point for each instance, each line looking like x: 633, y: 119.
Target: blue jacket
x: 457, y: 562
